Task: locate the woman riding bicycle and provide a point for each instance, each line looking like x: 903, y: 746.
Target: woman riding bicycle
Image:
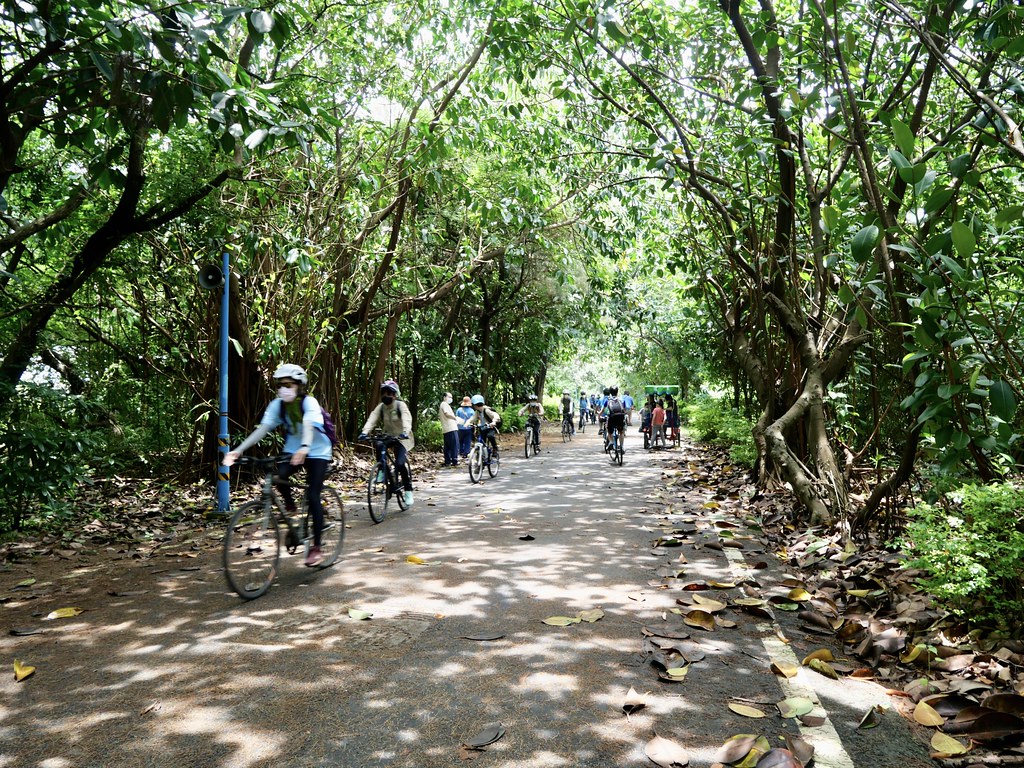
x: 394, y: 418
x: 300, y: 415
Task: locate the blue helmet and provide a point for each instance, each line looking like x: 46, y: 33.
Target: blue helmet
x: 477, y: 400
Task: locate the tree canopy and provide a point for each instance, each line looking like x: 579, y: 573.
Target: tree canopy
x: 814, y: 206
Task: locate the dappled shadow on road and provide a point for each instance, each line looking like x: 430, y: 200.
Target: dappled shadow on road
x: 176, y: 670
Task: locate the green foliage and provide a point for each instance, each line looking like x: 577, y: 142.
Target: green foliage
x: 428, y: 432
x: 51, y: 448
x: 971, y: 544
x: 710, y: 419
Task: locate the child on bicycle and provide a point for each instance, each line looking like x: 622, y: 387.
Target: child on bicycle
x: 487, y: 419
x: 394, y: 418
x: 310, y: 448
x: 535, y: 412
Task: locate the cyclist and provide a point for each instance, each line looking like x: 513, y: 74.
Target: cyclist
x: 569, y: 410
x: 602, y: 415
x: 488, y: 420
x: 615, y: 413
x: 584, y: 408
x: 593, y: 408
x: 535, y: 412
x: 300, y: 415
x: 394, y: 418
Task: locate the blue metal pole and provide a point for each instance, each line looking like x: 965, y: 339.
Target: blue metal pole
x: 223, y: 473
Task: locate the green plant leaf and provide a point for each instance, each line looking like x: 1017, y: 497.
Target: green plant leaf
x: 864, y: 243
x: 1004, y: 403
x: 904, y: 137
x: 963, y: 239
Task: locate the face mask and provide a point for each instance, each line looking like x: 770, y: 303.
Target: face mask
x: 448, y: 399
x: 387, y: 399
x: 287, y: 394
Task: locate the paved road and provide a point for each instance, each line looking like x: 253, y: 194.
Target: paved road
x: 186, y: 674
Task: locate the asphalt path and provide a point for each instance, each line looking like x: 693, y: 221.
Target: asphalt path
x: 167, y: 667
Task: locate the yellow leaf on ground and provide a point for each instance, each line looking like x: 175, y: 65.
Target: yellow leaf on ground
x: 709, y: 605
x: 799, y: 595
x: 925, y: 714
x: 21, y: 671
x: 415, y: 560
x: 746, y: 711
x: 560, y: 621
x: 947, y: 745
x: 64, y: 613
x: 590, y: 616
x: 785, y: 670
x: 822, y: 653
x: 823, y: 668
x: 700, y: 619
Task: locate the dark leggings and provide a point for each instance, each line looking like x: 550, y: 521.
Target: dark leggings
x: 401, y: 461
x: 316, y: 471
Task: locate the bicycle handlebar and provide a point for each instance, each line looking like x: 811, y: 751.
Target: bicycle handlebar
x: 265, y: 462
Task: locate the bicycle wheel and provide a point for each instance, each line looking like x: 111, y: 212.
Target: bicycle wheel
x: 528, y: 441
x: 476, y: 463
x: 396, y: 483
x: 333, y: 535
x: 566, y: 432
x: 493, y: 465
x: 618, y: 449
x: 252, y: 548
x: 377, y: 496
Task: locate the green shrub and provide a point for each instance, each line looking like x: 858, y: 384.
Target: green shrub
x: 710, y: 420
x: 48, y: 447
x: 428, y: 433
x: 971, y: 545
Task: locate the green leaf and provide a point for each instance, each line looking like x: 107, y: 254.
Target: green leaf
x: 914, y: 173
x: 904, y: 137
x: 864, y: 242
x: 1004, y: 403
x: 1009, y: 215
x: 963, y: 239
x: 103, y: 66
x: 959, y: 166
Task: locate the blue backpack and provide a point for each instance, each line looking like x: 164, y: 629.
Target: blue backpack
x: 329, y: 430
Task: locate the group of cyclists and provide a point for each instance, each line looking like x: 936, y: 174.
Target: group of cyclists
x: 309, y: 438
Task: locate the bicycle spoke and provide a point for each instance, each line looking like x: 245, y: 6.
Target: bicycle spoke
x: 333, y: 536
x: 252, y: 549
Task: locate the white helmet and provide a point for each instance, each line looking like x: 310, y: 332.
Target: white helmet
x: 289, y: 371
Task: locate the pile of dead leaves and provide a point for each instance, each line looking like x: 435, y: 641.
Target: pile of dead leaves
x: 859, y: 597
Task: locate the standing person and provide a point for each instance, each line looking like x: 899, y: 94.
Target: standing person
x: 627, y: 401
x: 535, y: 412
x: 449, y: 431
x: 310, y: 447
x: 671, y: 417
x: 395, y: 419
x: 658, y: 423
x: 463, y: 414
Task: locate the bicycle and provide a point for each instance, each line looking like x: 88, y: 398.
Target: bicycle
x: 567, y: 428
x: 252, y: 544
x: 531, y: 441
x: 480, y: 456
x: 385, y: 480
x: 583, y: 422
x: 615, y: 447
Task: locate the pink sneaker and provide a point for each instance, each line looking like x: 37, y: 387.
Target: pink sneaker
x: 314, y: 558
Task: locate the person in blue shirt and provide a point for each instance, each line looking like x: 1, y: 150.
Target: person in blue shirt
x: 627, y: 402
x: 462, y: 415
x: 584, y: 408
x: 310, y: 448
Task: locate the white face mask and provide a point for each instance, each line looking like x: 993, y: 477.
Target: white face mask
x: 287, y: 394
x: 448, y: 399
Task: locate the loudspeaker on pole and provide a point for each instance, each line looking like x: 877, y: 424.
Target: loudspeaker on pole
x: 211, y: 276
